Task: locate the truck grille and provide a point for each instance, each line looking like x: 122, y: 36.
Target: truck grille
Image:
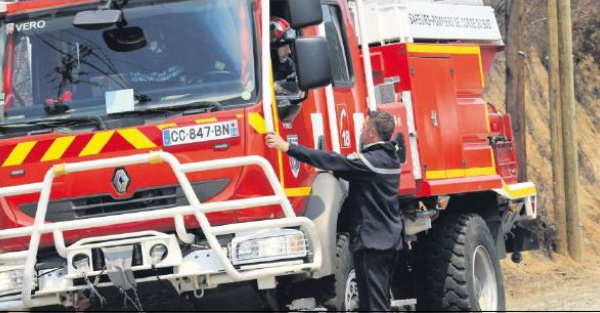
x: 106, y: 205
x: 142, y: 200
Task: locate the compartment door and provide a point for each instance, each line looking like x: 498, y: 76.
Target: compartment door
x: 435, y: 105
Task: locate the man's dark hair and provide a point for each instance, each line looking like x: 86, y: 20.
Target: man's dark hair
x: 384, y: 124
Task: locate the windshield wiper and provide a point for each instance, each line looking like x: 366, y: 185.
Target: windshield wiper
x: 184, y: 109
x: 62, y: 122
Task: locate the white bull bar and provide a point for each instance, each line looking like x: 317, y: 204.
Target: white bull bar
x: 195, y: 207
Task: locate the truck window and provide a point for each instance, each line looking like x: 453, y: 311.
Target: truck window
x: 338, y: 46
x: 194, y: 51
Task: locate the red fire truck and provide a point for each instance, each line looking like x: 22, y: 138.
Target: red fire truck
x: 133, y: 163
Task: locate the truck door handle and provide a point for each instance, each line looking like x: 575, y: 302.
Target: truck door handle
x: 321, y: 143
x: 434, y: 118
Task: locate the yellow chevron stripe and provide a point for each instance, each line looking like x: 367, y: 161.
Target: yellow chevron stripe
x: 207, y: 120
x: 58, y: 148
x: 19, y: 154
x: 97, y: 143
x: 257, y: 122
x: 136, y: 138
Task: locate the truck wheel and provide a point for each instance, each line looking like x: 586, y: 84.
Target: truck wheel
x: 346, y: 290
x: 461, y: 267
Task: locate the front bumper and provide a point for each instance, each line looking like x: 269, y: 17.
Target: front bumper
x: 202, y: 268
x: 186, y: 268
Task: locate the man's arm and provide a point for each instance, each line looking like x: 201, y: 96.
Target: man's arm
x: 349, y: 168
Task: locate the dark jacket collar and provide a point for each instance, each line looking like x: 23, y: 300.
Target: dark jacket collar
x: 386, y: 145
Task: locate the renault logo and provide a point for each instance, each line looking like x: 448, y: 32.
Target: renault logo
x: 121, y: 180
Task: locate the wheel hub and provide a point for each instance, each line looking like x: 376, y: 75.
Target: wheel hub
x: 351, y: 296
x: 484, y: 280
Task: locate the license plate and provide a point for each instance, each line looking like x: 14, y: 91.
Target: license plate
x: 200, y: 133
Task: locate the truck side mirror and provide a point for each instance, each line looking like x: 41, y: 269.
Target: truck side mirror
x: 313, y: 65
x: 304, y: 13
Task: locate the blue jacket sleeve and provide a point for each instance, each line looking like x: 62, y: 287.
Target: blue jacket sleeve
x: 346, y: 167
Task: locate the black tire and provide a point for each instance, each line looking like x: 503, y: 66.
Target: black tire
x: 344, y: 267
x: 456, y: 249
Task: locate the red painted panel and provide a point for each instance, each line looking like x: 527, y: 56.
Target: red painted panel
x: 468, y: 75
x: 436, y: 116
x: 34, y: 5
x: 394, y: 64
x: 472, y: 119
x: 477, y: 155
x: 459, y: 185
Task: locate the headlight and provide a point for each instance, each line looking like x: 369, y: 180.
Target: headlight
x: 81, y: 263
x: 268, y: 246
x: 11, y: 282
x: 158, y: 253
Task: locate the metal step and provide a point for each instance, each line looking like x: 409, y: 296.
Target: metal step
x: 406, y: 305
x: 305, y: 305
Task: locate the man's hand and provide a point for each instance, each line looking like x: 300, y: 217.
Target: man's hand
x: 275, y: 141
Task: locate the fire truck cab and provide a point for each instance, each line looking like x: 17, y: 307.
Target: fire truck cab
x: 132, y: 151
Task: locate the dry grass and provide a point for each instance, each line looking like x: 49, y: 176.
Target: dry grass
x: 587, y: 76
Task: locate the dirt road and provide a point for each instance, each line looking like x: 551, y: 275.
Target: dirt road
x: 578, y: 294
x: 539, y: 284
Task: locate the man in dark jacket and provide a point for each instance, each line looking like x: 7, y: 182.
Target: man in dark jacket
x: 375, y: 218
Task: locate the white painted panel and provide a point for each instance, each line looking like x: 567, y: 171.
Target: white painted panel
x: 317, y: 127
x: 412, y: 135
x: 413, y: 20
x: 359, y: 120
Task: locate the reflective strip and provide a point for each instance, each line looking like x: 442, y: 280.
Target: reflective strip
x: 480, y: 171
x: 136, y: 138
x: 258, y: 123
x: 481, y: 73
x: 298, y: 192
x: 487, y: 119
x: 207, y: 120
x: 19, y: 154
x: 459, y: 173
x: 165, y: 126
x: 97, y: 143
x: 517, y: 191
x: 382, y: 171
x: 58, y: 148
x: 443, y: 49
x: 435, y: 175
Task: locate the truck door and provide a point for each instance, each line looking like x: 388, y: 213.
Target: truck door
x: 435, y: 104
x: 343, y: 77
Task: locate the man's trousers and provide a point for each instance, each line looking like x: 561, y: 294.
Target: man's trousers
x: 374, y: 272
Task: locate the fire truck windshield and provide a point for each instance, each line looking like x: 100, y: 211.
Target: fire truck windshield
x: 164, y: 54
